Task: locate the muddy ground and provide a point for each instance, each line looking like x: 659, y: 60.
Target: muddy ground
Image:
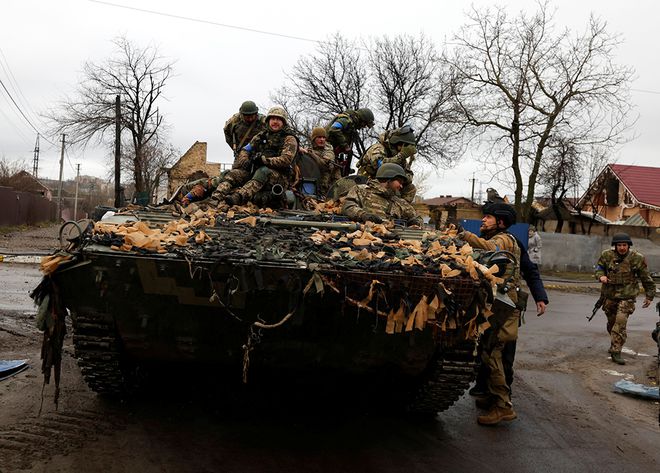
x: 569, y: 418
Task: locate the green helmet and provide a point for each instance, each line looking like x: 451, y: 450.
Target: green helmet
x: 366, y: 116
x: 278, y: 112
x: 249, y: 108
x: 391, y: 171
x: 621, y: 238
x: 405, y: 135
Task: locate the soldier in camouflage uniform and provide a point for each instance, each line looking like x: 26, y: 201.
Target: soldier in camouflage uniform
x: 620, y: 270
x: 377, y: 200
x: 323, y: 155
x: 243, y: 126
x: 343, y: 132
x: 268, y: 158
x: 498, y: 217
x: 395, y: 146
x: 199, y: 189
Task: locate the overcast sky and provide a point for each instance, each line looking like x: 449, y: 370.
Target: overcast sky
x: 43, y: 45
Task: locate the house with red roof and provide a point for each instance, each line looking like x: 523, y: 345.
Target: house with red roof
x: 625, y: 194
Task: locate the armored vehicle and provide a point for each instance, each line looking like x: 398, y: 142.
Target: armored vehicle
x: 298, y: 297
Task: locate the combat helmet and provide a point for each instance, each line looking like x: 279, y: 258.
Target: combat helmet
x: 621, y: 238
x: 391, y: 171
x: 405, y: 135
x: 317, y: 132
x: 278, y: 112
x: 366, y: 116
x: 501, y: 211
x: 248, y: 108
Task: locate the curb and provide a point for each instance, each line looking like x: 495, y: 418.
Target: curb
x: 22, y: 259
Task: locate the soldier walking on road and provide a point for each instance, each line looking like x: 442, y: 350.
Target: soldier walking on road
x: 620, y: 270
x: 242, y: 126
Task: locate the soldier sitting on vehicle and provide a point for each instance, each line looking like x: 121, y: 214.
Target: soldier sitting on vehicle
x: 243, y: 126
x: 377, y: 200
x: 395, y: 146
x: 343, y: 132
x: 267, y: 158
x: 324, y: 157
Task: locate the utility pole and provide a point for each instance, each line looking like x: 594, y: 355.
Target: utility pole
x: 472, y: 195
x: 118, y: 202
x: 75, y: 205
x: 59, y: 188
x: 35, y: 162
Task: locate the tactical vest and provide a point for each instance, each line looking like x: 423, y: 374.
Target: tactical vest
x: 270, y: 143
x: 512, y: 273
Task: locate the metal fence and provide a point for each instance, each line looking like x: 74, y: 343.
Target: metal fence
x: 24, y: 208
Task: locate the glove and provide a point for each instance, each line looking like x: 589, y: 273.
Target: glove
x: 408, y: 150
x: 264, y: 160
x: 369, y: 217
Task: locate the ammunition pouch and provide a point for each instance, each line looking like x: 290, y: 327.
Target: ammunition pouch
x: 501, y: 313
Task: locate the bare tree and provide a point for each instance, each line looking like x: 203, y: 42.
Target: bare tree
x: 138, y: 76
x: 521, y: 83
x: 158, y: 155
x: 412, y: 86
x: 561, y: 173
x: 9, y: 168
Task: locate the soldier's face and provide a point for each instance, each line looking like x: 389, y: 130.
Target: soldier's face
x: 319, y: 141
x: 275, y: 123
x: 489, y: 222
x: 395, y: 184
x: 622, y: 248
x: 249, y: 118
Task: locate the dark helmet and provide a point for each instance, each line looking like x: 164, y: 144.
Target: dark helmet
x: 391, y: 171
x: 405, y: 135
x: 366, y: 116
x: 621, y: 238
x: 501, y: 211
x: 249, y: 108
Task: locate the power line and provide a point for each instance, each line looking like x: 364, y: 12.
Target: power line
x: 11, y: 122
x: 646, y: 91
x: 20, y: 110
x: 208, y: 22
x: 13, y: 82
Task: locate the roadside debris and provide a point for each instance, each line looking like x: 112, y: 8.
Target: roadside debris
x: 9, y: 368
x: 635, y: 389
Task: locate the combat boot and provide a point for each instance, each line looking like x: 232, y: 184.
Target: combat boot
x: 616, y: 358
x: 234, y: 199
x: 496, y: 415
x: 478, y: 391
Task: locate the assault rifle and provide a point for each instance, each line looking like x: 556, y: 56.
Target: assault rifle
x: 597, y: 305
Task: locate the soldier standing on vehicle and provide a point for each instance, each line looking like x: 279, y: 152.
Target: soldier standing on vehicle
x: 322, y: 153
x: 378, y: 200
x: 498, y: 217
x: 620, y: 270
x: 268, y: 158
x: 343, y: 132
x: 395, y: 146
x: 242, y: 126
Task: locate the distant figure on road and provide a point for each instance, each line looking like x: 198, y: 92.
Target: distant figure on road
x: 620, y: 270
x: 534, y: 245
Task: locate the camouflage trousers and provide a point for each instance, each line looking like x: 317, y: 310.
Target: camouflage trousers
x: 233, y: 179
x: 617, y: 312
x: 264, y: 178
x: 493, y: 342
x: 198, y: 189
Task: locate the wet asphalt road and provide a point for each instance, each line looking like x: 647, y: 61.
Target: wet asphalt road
x: 569, y: 420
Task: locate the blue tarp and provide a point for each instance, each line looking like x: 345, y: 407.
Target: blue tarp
x: 628, y: 387
x: 11, y: 367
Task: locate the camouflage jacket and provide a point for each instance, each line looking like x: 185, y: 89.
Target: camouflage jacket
x: 324, y: 157
x: 495, y: 242
x: 342, y: 131
x: 373, y: 198
x: 380, y: 153
x: 279, y: 148
x: 238, y: 133
x: 624, y: 274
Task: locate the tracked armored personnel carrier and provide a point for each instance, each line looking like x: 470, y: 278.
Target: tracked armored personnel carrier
x: 267, y: 299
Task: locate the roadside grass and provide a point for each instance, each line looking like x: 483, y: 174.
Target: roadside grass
x: 7, y: 229
x: 572, y: 275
